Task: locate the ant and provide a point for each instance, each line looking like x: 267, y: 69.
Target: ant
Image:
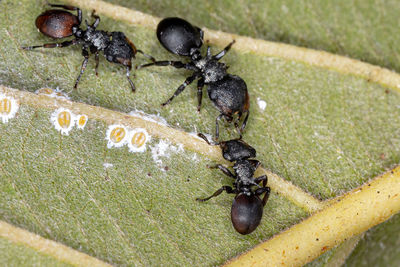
x: 247, y: 207
x: 227, y: 92
x: 59, y: 23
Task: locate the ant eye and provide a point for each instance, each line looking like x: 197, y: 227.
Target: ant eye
x: 116, y: 136
x: 137, y: 140
x: 63, y: 120
x: 8, y: 108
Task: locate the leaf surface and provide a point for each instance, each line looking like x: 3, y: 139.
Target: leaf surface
x: 325, y: 132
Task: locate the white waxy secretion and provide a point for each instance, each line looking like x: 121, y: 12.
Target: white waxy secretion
x: 261, y: 103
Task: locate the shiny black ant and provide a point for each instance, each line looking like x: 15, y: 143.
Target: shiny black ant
x: 247, y: 207
x: 58, y: 23
x: 227, y: 92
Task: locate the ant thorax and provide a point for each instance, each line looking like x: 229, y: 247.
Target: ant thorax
x: 211, y: 69
x: 98, y: 39
x: 245, y: 172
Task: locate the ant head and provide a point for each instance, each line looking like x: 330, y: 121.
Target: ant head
x: 236, y: 149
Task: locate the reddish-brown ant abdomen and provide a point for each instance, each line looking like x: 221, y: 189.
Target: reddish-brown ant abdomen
x: 57, y: 23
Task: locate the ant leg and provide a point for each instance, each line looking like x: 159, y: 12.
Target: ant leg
x: 208, y: 51
x: 265, y: 190
x: 262, y: 178
x: 255, y: 163
x: 201, y: 33
x: 206, y: 139
x: 182, y: 87
x: 96, y: 58
x: 175, y: 64
x: 237, y: 129
x: 244, y: 122
x: 223, y: 52
x: 146, y: 55
x: 200, y: 85
x: 224, y: 169
x: 128, y: 68
x: 241, y: 129
x: 226, y: 188
x: 85, y: 53
x: 97, y: 19
x: 72, y: 8
x: 53, y: 45
x: 217, y: 126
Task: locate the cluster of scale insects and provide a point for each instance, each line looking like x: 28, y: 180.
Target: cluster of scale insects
x: 227, y: 92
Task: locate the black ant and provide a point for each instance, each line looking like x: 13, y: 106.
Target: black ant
x: 58, y: 23
x: 247, y: 207
x: 227, y: 92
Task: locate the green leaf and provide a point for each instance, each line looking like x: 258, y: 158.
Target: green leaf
x: 17, y: 255
x: 326, y: 132
x: 362, y: 29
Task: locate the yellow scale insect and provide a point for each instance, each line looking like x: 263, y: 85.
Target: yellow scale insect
x: 81, y: 121
x: 8, y: 108
x: 116, y: 136
x: 137, y: 140
x: 63, y: 120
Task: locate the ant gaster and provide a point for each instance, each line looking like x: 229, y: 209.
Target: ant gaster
x: 59, y: 23
x: 247, y: 207
x: 227, y: 92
